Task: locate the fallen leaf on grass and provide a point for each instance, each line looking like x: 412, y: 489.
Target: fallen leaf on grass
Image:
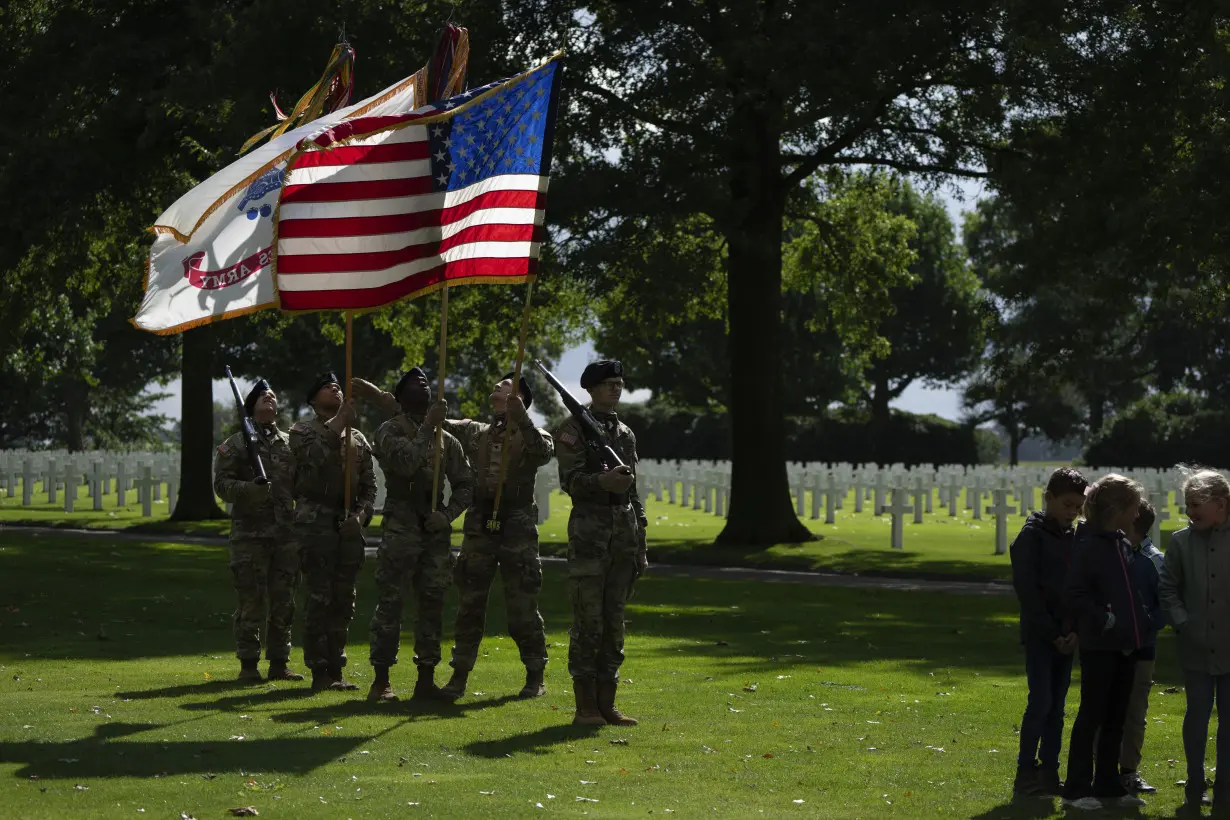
x: 244, y: 811
x: 211, y: 677
x: 589, y: 782
x: 768, y: 755
x: 749, y: 687
x: 586, y: 800
x: 733, y: 709
x: 619, y: 741
x: 487, y: 793
x: 81, y: 788
x: 798, y: 802
x: 183, y: 815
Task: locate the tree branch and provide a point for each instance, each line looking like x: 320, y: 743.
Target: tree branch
x: 809, y: 165
x: 625, y: 106
x: 912, y: 167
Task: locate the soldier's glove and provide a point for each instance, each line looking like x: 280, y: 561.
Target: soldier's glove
x: 436, y: 414
x: 255, y: 493
x: 363, y: 389
x: 515, y: 408
x: 351, y: 528
x: 436, y: 522
x: 616, y: 481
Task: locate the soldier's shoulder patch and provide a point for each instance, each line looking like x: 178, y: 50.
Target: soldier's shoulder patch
x: 301, y: 427
x: 224, y: 449
x: 566, y: 437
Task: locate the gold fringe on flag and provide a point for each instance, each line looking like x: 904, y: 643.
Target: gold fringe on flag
x: 330, y: 93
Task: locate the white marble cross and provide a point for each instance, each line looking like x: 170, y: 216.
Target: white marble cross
x: 145, y: 491
x: 919, y: 503
x: 897, y: 510
x: 1001, y: 509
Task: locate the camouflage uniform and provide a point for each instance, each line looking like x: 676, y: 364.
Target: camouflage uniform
x: 263, y: 552
x: 409, y: 554
x: 514, y: 550
x: 603, y: 543
x: 330, y: 562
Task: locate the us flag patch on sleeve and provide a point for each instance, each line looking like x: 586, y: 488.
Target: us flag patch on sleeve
x: 567, y: 438
x: 224, y: 449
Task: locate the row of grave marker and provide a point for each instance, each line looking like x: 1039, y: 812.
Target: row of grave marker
x: 704, y: 486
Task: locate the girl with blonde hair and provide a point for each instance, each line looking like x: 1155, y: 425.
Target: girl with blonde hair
x: 1198, y: 604
x: 1110, y: 618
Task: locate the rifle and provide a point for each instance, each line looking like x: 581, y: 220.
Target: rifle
x: 249, y: 434
x: 592, y: 431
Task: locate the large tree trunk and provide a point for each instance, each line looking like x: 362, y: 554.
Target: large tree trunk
x: 760, y: 510
x: 880, y: 417
x: 76, y: 398
x: 1014, y: 445
x: 196, y: 494
x: 1097, y: 413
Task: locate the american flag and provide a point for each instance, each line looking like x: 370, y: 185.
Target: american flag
x: 385, y: 208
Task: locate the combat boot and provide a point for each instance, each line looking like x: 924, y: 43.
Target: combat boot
x: 278, y: 670
x: 382, y: 690
x: 587, y: 704
x: 339, y: 683
x: 248, y: 671
x: 606, y: 706
x: 425, y: 687
x: 534, y: 686
x: 456, y: 686
x: 321, y: 679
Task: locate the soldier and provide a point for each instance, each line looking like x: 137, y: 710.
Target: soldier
x: 415, y: 549
x: 263, y: 551
x: 331, y: 536
x: 606, y: 547
x: 513, y: 548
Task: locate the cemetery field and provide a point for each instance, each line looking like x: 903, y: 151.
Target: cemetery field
x: 941, y: 546
x: 116, y: 701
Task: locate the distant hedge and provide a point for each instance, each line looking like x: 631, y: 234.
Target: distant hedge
x: 1163, y: 430
x: 839, y: 436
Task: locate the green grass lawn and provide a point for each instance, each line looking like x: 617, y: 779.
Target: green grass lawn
x: 941, y: 546
x: 781, y: 701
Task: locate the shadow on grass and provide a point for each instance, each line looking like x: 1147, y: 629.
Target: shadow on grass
x: 1021, y: 808
x: 176, y: 601
x: 108, y: 754
x: 537, y: 742
x: 407, y: 708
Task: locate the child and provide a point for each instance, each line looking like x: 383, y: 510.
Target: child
x: 1200, y: 611
x: 1110, y: 619
x: 1041, y: 554
x: 1145, y: 568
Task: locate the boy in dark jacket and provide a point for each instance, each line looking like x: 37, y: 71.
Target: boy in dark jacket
x: 1111, y: 620
x: 1145, y: 570
x: 1040, y: 558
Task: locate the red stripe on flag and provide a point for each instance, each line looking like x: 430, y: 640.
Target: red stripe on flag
x: 394, y: 223
x: 455, y: 272
x: 351, y: 191
x: 382, y: 260
x: 363, y: 154
x: 363, y: 126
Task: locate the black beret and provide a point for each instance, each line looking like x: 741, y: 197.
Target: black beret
x: 324, y: 381
x: 527, y: 395
x: 596, y: 373
x: 260, y: 388
x: 405, y: 377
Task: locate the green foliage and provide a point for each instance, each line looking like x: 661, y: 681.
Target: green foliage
x: 1162, y: 430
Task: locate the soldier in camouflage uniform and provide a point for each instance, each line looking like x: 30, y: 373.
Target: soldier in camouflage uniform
x: 513, y: 548
x: 606, y: 547
x: 415, y: 550
x: 331, y: 536
x: 263, y: 551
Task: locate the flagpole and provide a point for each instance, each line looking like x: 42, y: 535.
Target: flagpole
x: 345, y: 398
x: 435, y: 484
x: 494, y: 524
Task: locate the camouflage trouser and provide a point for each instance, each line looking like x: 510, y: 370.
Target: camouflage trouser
x: 266, y: 572
x: 516, y: 558
x: 330, y: 567
x: 409, y: 556
x: 602, y: 568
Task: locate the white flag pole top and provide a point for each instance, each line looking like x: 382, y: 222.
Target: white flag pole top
x: 210, y: 258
